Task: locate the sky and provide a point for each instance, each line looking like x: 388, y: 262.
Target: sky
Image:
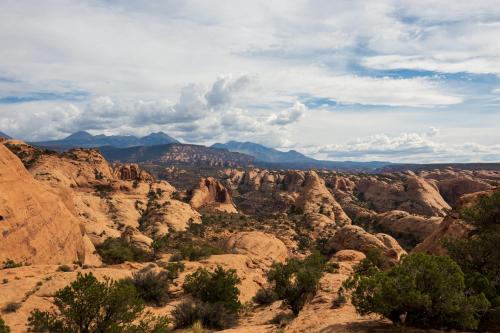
x: 400, y: 81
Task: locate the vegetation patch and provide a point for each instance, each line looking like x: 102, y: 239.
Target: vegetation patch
x: 87, y: 305
x: 118, y: 250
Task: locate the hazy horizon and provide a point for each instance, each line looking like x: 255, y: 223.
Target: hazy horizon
x: 412, y: 81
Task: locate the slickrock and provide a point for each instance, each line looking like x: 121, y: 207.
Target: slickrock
x: 210, y: 193
x: 454, y: 184
x: 413, y: 194
x: 353, y: 237
x: 260, y: 247
x: 452, y: 227
x: 34, y: 286
x: 35, y: 226
x: 401, y: 224
x: 269, y: 191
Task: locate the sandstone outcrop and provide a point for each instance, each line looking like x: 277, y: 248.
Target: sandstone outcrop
x: 452, y: 227
x: 210, y: 193
x: 412, y: 194
x: 35, y: 226
x: 302, y: 192
x: 353, y: 237
x: 401, y: 224
x: 260, y: 247
x: 131, y: 172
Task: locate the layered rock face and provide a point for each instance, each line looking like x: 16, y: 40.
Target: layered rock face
x: 35, y: 226
x: 212, y: 194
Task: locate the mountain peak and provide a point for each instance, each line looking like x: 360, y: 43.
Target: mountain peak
x: 263, y: 153
x: 157, y: 138
x: 79, y: 135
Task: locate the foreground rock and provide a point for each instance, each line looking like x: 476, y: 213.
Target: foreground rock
x: 35, y: 226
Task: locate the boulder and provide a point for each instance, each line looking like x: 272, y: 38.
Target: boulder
x: 260, y: 247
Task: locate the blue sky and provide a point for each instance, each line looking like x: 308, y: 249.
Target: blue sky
x: 403, y: 81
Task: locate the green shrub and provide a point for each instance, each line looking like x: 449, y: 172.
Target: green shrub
x: 90, y: 306
x: 428, y: 290
x: 12, y: 307
x: 9, y: 263
x: 478, y: 256
x: 173, y: 269
x: 375, y: 261
x: 3, y: 327
x: 218, y: 286
x: 198, y: 252
x: 152, y: 287
x: 211, y: 315
x: 296, y: 281
x: 265, y: 296
x: 118, y: 250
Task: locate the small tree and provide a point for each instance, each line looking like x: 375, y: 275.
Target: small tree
x: 296, y: 281
x: 90, y: 306
x: 219, y: 286
x: 152, y: 287
x: 3, y: 327
x: 479, y: 255
x: 118, y: 250
x: 428, y: 291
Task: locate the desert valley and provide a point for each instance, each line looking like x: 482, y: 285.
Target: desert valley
x: 284, y: 166
x: 74, y: 212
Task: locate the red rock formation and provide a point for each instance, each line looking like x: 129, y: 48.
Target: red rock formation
x: 35, y: 226
x: 131, y: 172
x: 211, y: 193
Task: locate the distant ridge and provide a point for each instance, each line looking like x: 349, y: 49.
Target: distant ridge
x: 269, y: 157
x: 84, y: 139
x: 5, y: 136
x: 263, y: 153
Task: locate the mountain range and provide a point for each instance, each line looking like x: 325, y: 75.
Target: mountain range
x: 86, y: 140
x: 163, y: 149
x: 263, y: 153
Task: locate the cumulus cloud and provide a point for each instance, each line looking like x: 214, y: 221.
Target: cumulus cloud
x: 289, y: 116
x: 409, y: 148
x: 365, y: 57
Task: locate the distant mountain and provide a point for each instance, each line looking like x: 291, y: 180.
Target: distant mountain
x: 5, y: 136
x: 173, y: 154
x: 86, y: 140
x: 272, y: 158
x: 263, y: 153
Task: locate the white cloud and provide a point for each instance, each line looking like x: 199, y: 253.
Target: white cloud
x: 133, y: 62
x: 408, y: 148
x: 289, y: 116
